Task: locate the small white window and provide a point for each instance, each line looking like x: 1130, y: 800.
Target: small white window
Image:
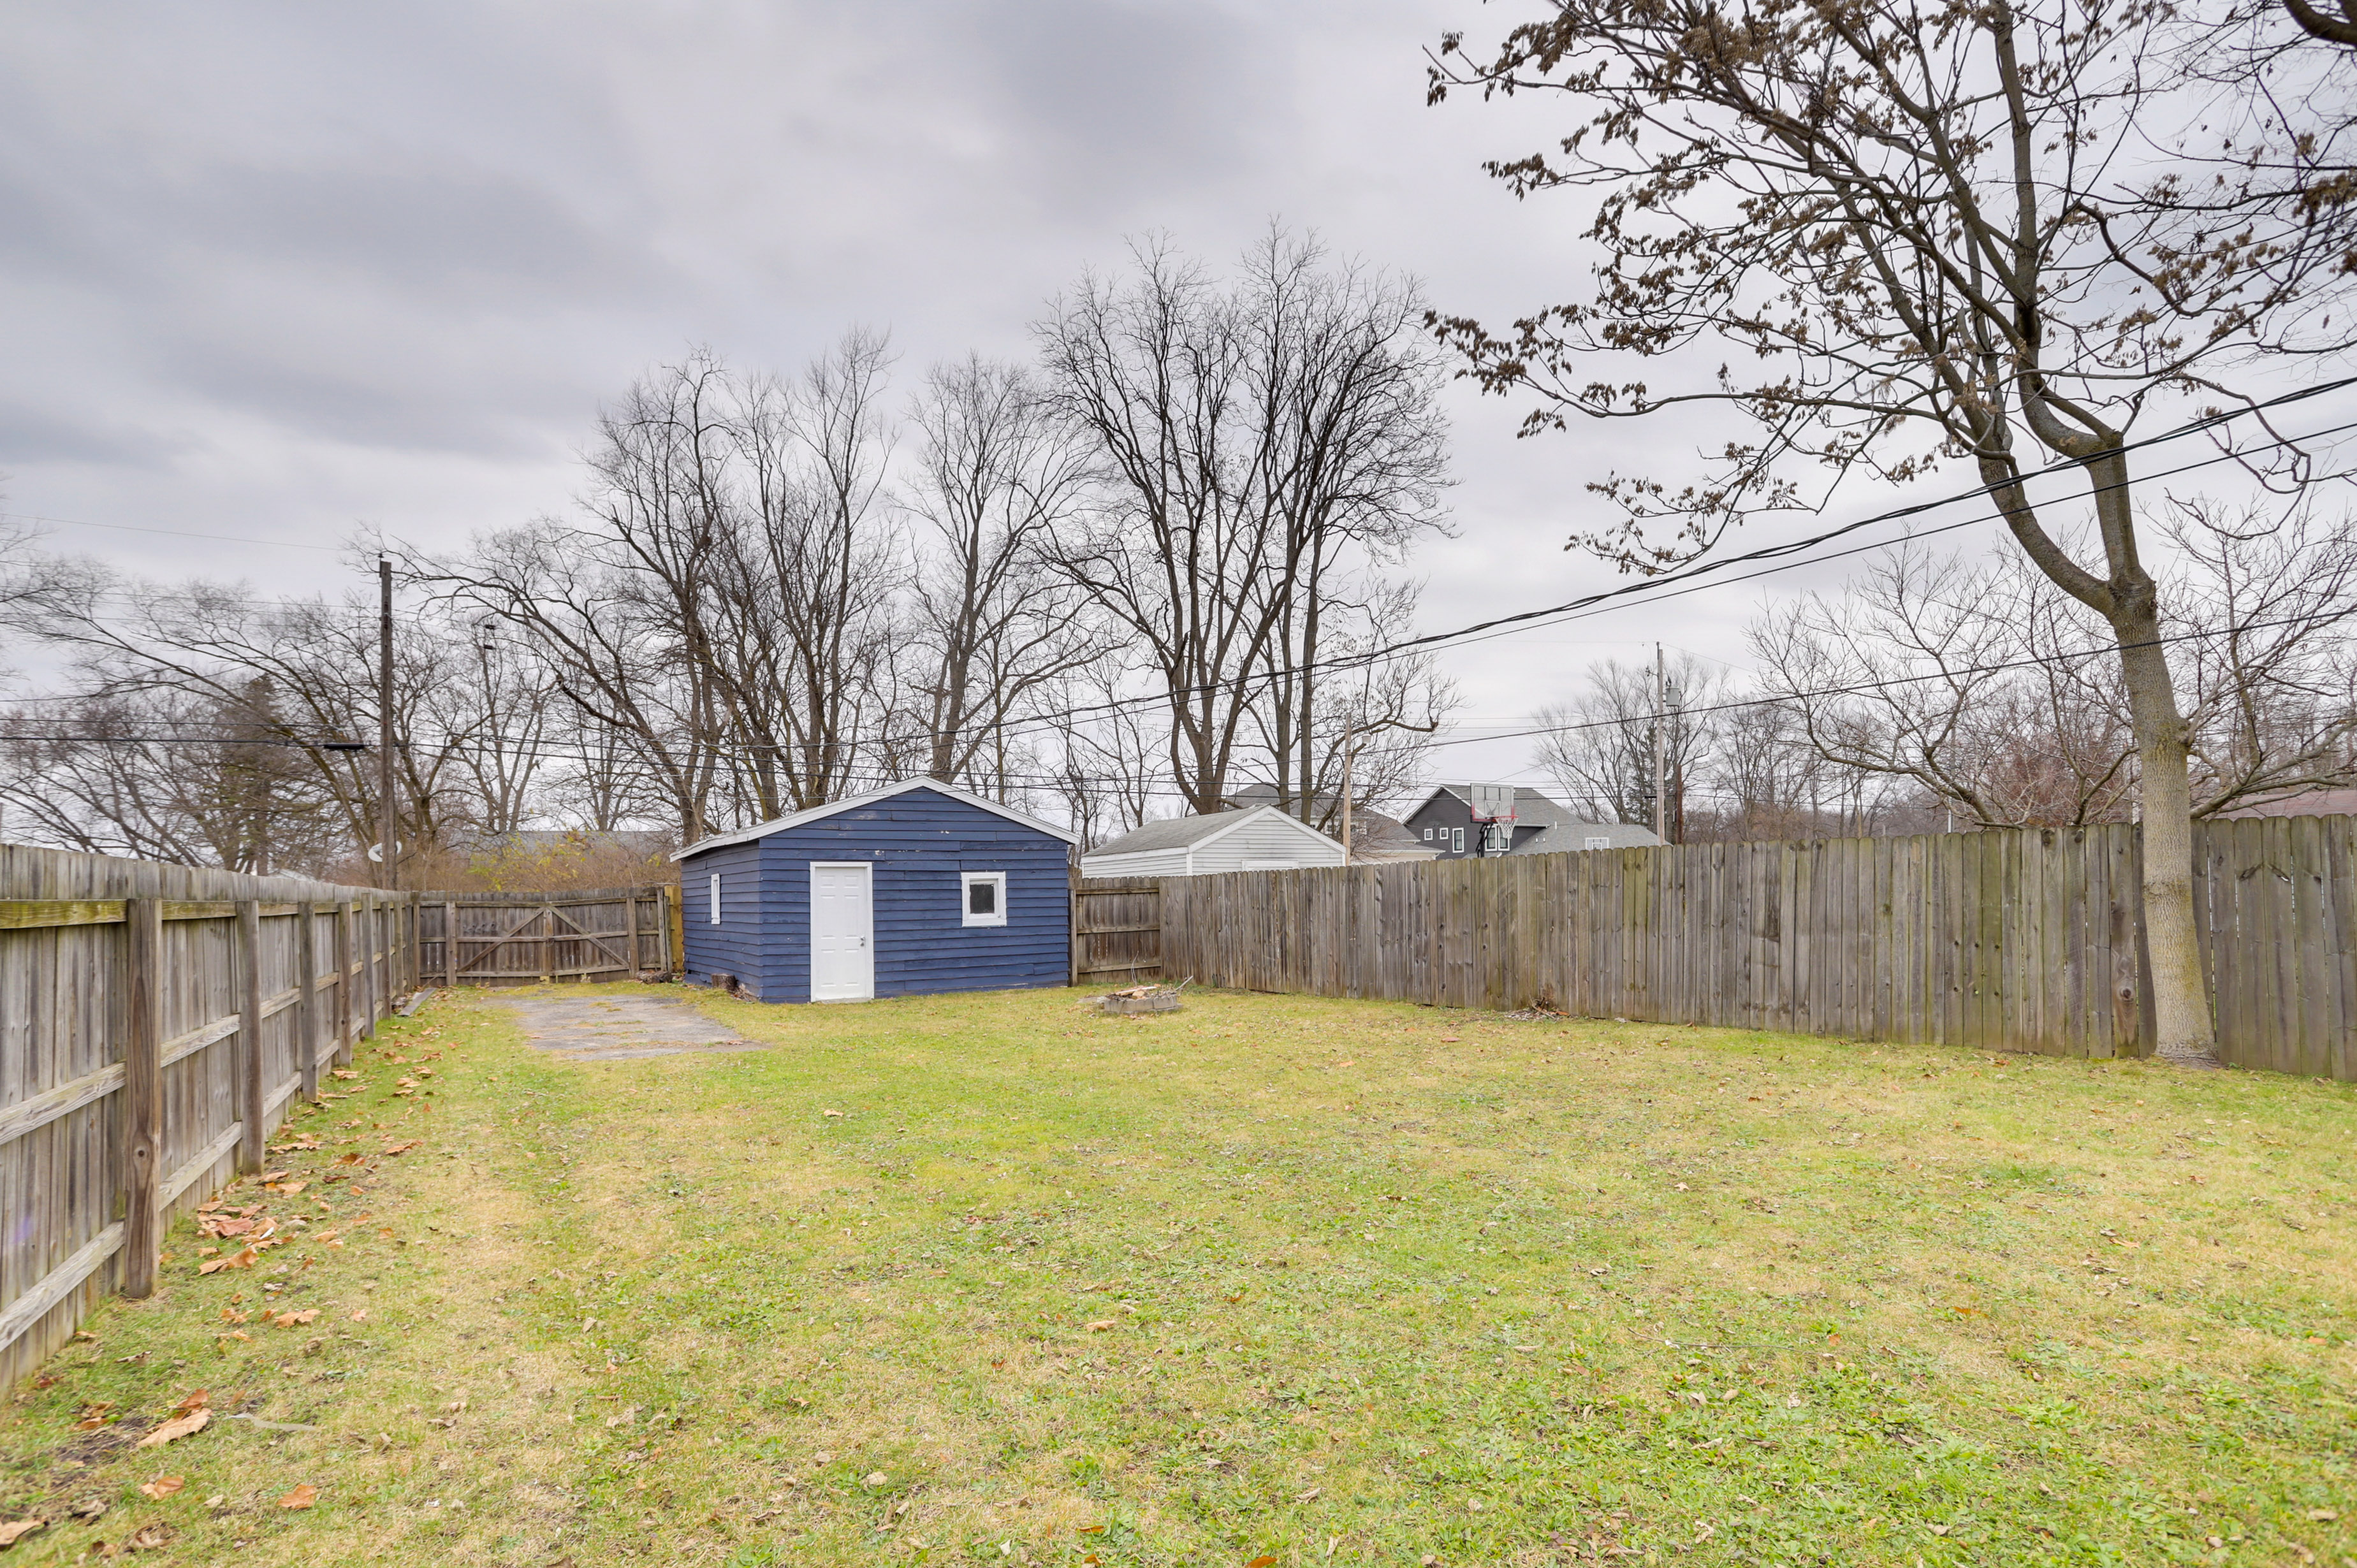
x: 982, y: 897
x: 1598, y: 841
x: 1457, y: 840
x: 1428, y: 833
x: 715, y: 897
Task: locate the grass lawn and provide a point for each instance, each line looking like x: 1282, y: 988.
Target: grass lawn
x: 1272, y: 1281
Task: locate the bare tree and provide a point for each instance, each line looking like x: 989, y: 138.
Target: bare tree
x: 1602, y: 752
x: 1104, y: 775
x: 1971, y: 683
x: 1248, y: 442
x: 1933, y: 231
x: 1987, y: 688
x: 997, y: 631
x: 163, y: 775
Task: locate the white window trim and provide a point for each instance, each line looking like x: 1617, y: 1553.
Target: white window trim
x: 1598, y: 841
x: 1456, y: 841
x: 715, y: 897
x: 966, y: 879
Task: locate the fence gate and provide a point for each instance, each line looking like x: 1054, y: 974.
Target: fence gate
x: 509, y: 938
x: 1117, y: 930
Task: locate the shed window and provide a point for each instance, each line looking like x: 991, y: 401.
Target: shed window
x: 982, y: 898
x: 715, y: 897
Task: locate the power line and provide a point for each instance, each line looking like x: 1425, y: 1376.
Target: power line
x: 1595, y: 603
x: 173, y: 532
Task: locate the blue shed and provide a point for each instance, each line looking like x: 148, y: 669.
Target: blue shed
x: 903, y: 891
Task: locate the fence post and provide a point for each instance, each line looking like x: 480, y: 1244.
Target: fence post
x: 1072, y: 918
x: 143, y: 1093
x: 630, y: 923
x: 247, y: 1065
x: 344, y: 981
x: 674, y: 940
x: 450, y: 945
x: 366, y: 929
x: 306, y: 1001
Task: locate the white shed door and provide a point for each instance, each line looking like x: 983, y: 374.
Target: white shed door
x: 842, y: 933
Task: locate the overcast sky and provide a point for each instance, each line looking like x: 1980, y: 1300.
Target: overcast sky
x: 277, y: 270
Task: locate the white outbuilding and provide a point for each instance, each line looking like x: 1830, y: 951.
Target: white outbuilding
x: 1261, y: 839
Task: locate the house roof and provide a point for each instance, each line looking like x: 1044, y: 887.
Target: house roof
x: 851, y: 803
x: 1187, y: 832
x: 1574, y: 836
x: 1532, y: 810
x: 1559, y: 830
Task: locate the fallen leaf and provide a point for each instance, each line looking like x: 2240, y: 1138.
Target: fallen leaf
x: 289, y: 1188
x: 243, y: 1260
x: 302, y: 1497
x: 344, y: 1072
x: 1101, y: 1323
x: 290, y: 1319
x: 361, y: 1316
x: 1351, y: 1061
x: 1092, y: 1530
x: 829, y: 1113
x: 2322, y: 1516
x: 1262, y: 1563
x: 403, y: 1148
x: 1447, y: 1039
x: 178, y: 1426
x: 163, y: 1486
x: 875, y: 1479
x: 150, y: 1537
x: 17, y: 1530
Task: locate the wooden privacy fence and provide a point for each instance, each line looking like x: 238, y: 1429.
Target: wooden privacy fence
x: 2024, y: 939
x: 511, y: 938
x: 155, y: 1023
x: 1117, y: 930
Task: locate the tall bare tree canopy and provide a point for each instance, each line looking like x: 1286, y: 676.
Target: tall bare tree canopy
x: 1257, y: 447
x: 1909, y: 233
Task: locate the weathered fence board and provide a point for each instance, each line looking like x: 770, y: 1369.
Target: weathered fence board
x: 154, y: 1021
x: 519, y: 938
x: 1117, y: 930
x: 2027, y: 940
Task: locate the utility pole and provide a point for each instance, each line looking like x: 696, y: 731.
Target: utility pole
x: 1348, y: 853
x: 385, y: 813
x: 1660, y: 712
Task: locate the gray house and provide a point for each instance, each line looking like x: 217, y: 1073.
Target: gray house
x: 1445, y: 822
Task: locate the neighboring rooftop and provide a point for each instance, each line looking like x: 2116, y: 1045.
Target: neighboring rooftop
x: 1175, y: 832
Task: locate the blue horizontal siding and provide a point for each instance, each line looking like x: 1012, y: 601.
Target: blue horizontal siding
x: 735, y: 945
x: 918, y: 842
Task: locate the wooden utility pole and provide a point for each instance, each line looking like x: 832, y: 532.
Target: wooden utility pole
x: 386, y: 814
x: 1661, y: 715
x: 1349, y: 849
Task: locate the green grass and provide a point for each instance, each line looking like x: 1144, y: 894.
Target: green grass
x: 1271, y: 1277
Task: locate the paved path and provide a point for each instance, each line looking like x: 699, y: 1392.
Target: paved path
x: 619, y: 1028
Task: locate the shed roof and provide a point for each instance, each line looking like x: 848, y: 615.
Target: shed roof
x: 1186, y: 833
x: 852, y: 803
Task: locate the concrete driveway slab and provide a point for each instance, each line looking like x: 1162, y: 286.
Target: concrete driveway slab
x: 622, y: 1028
